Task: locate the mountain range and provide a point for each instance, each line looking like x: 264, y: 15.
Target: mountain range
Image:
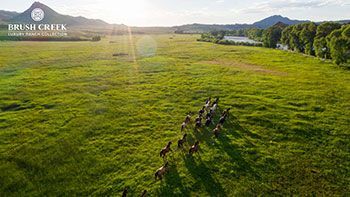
x: 6, y: 15
x: 52, y: 16
x: 272, y: 20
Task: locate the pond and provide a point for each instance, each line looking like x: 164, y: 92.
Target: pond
x: 240, y: 39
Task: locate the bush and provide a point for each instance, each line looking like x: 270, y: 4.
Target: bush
x: 96, y: 38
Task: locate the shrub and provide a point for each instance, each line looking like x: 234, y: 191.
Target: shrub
x: 96, y: 38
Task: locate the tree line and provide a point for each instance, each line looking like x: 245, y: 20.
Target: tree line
x: 328, y: 40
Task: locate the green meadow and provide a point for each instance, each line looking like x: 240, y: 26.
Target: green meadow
x: 77, y: 121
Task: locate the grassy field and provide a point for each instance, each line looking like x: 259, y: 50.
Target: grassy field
x: 75, y: 120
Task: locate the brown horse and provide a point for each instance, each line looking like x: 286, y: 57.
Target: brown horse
x: 165, y: 150
x: 208, y: 100
x: 226, y: 112
x: 216, y: 102
x: 187, y: 119
x: 207, y: 103
x: 161, y: 171
x: 198, y: 124
x: 199, y: 118
x: 217, y: 130
x: 181, y: 141
x: 194, y: 148
x: 222, y: 119
x: 183, y: 126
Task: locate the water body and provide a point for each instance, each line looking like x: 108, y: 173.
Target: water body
x: 240, y: 39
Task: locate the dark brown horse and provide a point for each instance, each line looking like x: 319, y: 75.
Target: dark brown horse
x: 201, y: 112
x: 194, y: 148
x: 207, y: 103
x: 125, y: 192
x: 222, y: 119
x: 165, y: 150
x: 161, y: 171
x: 181, y: 141
x: 208, y: 121
x: 209, y: 115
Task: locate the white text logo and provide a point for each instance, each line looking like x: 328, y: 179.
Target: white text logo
x: 38, y: 14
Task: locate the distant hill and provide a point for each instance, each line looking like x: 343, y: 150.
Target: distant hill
x: 272, y: 20
x: 199, y: 28
x: 263, y: 24
x: 340, y: 21
x: 80, y: 22
x: 6, y: 15
x: 52, y: 16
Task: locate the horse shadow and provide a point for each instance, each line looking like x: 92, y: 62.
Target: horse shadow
x: 233, y: 129
x: 236, y: 128
x: 201, y: 173
x: 172, y: 184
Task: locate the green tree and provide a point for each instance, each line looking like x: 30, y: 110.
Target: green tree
x: 320, y: 41
x: 96, y: 38
x: 272, y: 35
x: 286, y: 36
x: 307, y: 35
x: 255, y: 34
x: 294, y: 40
x: 339, y: 44
x: 219, y: 35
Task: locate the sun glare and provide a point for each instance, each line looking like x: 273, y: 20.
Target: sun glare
x: 129, y: 10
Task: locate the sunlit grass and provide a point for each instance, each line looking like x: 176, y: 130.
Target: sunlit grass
x: 76, y: 120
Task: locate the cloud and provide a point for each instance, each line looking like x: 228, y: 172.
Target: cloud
x: 281, y: 5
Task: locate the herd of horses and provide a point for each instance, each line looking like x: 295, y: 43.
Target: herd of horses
x: 206, y: 113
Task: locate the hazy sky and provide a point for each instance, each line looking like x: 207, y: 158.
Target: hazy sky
x: 177, y: 12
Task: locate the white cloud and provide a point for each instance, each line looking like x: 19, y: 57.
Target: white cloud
x: 282, y: 5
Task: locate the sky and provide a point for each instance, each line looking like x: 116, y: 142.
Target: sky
x: 179, y: 12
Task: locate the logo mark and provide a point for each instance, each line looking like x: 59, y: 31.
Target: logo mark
x: 37, y: 14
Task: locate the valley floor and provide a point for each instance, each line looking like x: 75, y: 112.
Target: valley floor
x: 76, y: 120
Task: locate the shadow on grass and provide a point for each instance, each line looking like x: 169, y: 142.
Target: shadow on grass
x: 244, y: 167
x: 232, y: 127
x: 201, y: 172
x: 172, y: 184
